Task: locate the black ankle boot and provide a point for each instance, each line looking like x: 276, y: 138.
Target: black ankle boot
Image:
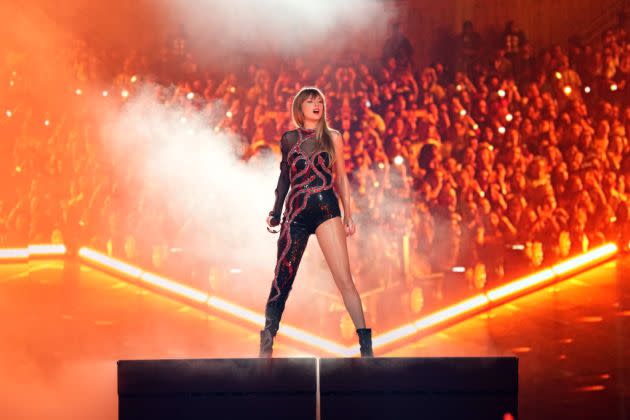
x: 365, y: 342
x: 266, y: 343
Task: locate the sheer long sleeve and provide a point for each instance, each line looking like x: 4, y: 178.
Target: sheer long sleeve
x: 283, y: 182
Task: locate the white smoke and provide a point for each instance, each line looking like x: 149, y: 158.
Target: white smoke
x: 199, y: 174
x: 280, y: 26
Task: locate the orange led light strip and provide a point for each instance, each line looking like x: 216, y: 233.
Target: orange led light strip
x: 493, y: 296
x: 440, y: 317
x: 212, y: 301
x: 54, y: 250
x: 288, y: 330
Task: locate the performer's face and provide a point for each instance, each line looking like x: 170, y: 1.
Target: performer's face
x: 313, y: 108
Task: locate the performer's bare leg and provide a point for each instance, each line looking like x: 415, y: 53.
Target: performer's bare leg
x: 332, y: 240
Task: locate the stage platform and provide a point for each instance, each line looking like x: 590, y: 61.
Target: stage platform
x: 328, y: 389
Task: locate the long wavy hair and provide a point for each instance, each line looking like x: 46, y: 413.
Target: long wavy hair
x: 323, y: 132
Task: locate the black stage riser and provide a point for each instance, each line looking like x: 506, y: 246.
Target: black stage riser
x: 217, y: 389
x: 350, y: 388
x: 418, y: 388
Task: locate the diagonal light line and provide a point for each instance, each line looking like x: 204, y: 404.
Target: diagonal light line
x: 213, y: 301
x: 451, y: 312
x: 575, y: 263
x: 178, y: 288
x: 509, y: 290
x: 109, y: 262
x: 443, y: 316
x: 521, y: 284
x: 287, y: 330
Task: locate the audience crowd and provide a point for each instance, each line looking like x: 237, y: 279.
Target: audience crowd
x: 507, y: 150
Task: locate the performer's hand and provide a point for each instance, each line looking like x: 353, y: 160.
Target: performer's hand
x: 271, y: 222
x: 348, y: 225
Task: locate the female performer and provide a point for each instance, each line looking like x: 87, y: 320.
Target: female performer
x: 310, y: 155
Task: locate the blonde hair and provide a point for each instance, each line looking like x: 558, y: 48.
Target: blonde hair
x: 323, y: 133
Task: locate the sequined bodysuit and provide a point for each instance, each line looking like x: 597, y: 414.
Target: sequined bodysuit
x: 310, y: 201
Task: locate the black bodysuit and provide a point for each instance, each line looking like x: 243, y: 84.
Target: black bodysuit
x: 311, y: 201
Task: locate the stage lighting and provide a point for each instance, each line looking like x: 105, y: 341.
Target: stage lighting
x: 9, y: 113
x: 509, y: 117
x: 502, y: 130
x: 190, y: 96
x: 501, y: 93
x: 134, y: 78
x: 398, y: 160
x: 105, y: 93
x: 587, y: 89
x: 124, y: 93
x: 558, y: 75
x: 567, y: 90
x: 462, y: 112
x: 79, y: 92
x: 613, y: 87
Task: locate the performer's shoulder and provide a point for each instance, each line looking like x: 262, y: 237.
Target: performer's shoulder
x: 288, y: 138
x: 289, y: 134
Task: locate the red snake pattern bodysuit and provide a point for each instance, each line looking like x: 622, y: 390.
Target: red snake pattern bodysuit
x: 311, y: 201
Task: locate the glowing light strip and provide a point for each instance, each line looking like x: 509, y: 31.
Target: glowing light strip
x: 429, y: 321
x: 491, y: 297
x: 145, y: 276
x: 287, y: 330
x: 171, y: 286
x: 36, y: 250
x: 236, y: 310
x: 212, y: 301
x: 57, y: 249
x: 580, y: 261
x: 109, y: 262
x: 394, y: 335
x: 521, y: 284
x: 14, y: 253
x: 451, y: 312
x: 316, y: 341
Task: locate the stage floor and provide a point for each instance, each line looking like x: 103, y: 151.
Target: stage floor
x: 64, y: 328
